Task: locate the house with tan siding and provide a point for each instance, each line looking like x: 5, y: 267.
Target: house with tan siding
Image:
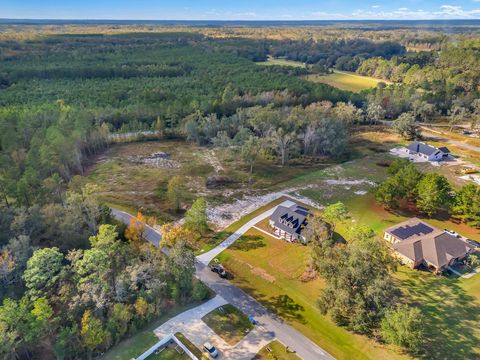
x: 416, y: 243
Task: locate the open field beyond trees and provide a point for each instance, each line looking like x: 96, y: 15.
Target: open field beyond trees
x: 346, y: 80
x: 281, y: 62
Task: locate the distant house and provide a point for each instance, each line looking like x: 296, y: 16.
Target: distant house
x: 417, y: 243
x: 427, y: 152
x: 289, y: 222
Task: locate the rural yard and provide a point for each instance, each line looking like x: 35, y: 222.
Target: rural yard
x: 228, y: 187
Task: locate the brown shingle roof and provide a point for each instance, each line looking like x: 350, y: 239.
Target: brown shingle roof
x: 436, y: 246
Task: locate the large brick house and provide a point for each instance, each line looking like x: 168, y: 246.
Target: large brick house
x: 417, y: 243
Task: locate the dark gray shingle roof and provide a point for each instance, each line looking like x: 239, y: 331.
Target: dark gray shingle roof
x: 422, y: 148
x: 290, y: 219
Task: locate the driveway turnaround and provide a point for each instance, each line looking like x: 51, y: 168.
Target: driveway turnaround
x: 190, y: 324
x: 208, y: 256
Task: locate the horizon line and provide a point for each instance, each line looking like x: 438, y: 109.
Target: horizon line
x: 233, y: 20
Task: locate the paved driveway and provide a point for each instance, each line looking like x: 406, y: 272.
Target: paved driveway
x: 210, y: 255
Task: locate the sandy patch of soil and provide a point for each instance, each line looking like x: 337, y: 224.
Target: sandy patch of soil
x: 158, y: 159
x: 211, y: 158
x: 258, y: 271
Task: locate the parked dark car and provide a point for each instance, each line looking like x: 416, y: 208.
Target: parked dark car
x: 219, y: 270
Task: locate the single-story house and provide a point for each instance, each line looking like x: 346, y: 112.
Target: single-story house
x: 417, y: 243
x: 289, y: 222
x: 427, y: 152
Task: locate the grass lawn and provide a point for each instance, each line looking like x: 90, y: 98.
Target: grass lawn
x: 276, y: 351
x: 229, y: 323
x: 346, y: 80
x: 140, y: 342
x: 196, y: 351
x: 281, y: 62
x: 169, y: 353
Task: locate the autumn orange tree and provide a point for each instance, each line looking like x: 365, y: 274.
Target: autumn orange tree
x: 136, y: 230
x: 172, y: 233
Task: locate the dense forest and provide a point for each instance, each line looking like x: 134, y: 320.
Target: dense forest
x: 75, y: 282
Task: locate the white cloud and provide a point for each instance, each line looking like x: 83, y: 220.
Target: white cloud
x: 445, y: 12
x: 377, y: 6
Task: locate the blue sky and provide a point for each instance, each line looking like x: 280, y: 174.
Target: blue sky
x: 239, y: 9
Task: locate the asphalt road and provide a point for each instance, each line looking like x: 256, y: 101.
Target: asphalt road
x: 432, y: 134
x: 276, y: 327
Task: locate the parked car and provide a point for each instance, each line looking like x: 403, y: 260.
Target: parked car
x: 451, y: 232
x: 219, y: 270
x: 210, y: 349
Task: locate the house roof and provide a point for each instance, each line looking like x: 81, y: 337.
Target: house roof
x: 444, y: 149
x: 420, y: 241
x: 290, y: 219
x: 422, y: 148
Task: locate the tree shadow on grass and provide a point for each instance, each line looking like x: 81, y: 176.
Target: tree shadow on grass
x: 286, y: 307
x: 451, y: 316
x: 248, y: 242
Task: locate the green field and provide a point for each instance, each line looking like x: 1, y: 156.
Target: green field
x: 281, y: 62
x: 346, y: 80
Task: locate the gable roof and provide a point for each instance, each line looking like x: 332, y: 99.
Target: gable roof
x: 444, y: 149
x: 422, y: 148
x: 290, y: 219
x: 434, y: 246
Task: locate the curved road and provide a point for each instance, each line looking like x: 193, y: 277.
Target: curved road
x: 277, y: 328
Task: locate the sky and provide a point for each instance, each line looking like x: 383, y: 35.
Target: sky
x: 240, y: 9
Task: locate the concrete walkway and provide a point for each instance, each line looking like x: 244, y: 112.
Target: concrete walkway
x: 210, y: 255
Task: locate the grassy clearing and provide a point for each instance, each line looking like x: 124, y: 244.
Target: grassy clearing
x: 140, y: 342
x: 133, y: 186
x: 275, y: 350
x: 196, y: 351
x: 229, y: 323
x: 346, y: 80
x: 281, y: 62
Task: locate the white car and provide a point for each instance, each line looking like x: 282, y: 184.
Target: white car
x: 451, y: 232
x: 210, y: 349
